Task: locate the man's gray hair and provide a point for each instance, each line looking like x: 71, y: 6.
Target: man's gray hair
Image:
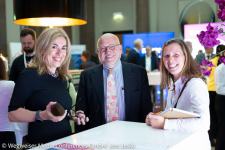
x: 138, y: 42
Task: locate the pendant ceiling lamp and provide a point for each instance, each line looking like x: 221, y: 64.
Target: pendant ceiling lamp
x: 50, y: 12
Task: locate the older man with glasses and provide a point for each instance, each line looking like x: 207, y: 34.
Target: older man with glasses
x: 114, y: 90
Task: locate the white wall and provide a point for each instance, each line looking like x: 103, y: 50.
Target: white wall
x: 12, y: 29
x: 104, y: 10
x: 164, y: 14
x: 75, y: 35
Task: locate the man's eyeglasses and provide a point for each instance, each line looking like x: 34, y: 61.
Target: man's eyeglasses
x: 72, y: 113
x: 111, y: 47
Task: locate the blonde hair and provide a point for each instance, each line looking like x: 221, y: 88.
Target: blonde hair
x: 43, y: 48
x: 190, y: 68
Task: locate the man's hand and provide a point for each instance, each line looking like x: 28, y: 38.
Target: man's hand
x: 80, y: 118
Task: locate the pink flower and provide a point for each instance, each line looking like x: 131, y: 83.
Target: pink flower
x: 116, y: 104
x: 107, y: 107
x: 108, y: 114
x: 114, y: 118
x: 112, y: 103
x: 109, y: 90
x: 109, y: 84
x: 222, y: 60
x: 114, y: 97
x: 116, y: 110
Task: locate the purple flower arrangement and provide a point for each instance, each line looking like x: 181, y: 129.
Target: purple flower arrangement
x: 222, y: 60
x: 206, y: 63
x: 209, y: 37
x: 221, y: 12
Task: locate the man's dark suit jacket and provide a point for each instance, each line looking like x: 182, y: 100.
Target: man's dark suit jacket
x: 86, y: 64
x: 134, y: 58
x: 17, y: 67
x: 154, y: 62
x: 91, y: 92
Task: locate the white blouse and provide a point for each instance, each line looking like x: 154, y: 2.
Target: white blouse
x: 195, y: 98
x: 219, y: 76
x: 6, y: 90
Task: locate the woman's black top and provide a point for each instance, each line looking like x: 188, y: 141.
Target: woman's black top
x: 34, y: 92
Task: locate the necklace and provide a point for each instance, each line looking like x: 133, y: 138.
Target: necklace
x: 52, y: 74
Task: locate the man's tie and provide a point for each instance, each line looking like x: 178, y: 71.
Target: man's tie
x: 112, y: 105
x: 207, y: 57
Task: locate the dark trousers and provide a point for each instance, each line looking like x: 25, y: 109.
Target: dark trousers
x: 6, y: 138
x: 153, y: 94
x: 213, y: 117
x: 220, y: 111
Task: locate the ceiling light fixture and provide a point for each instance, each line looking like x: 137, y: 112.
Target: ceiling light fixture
x: 50, y: 12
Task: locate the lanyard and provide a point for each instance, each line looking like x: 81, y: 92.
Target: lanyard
x: 173, y: 96
x: 181, y: 93
x: 25, y: 60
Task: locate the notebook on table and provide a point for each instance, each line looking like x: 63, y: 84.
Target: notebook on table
x: 174, y: 113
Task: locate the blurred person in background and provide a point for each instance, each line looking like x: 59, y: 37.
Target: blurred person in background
x: 95, y: 59
x: 6, y: 89
x: 219, y: 76
x: 134, y: 56
x: 28, y: 41
x: 212, y: 95
x: 150, y: 63
x: 200, y: 51
x: 203, y: 56
x: 86, y: 63
x: 124, y: 57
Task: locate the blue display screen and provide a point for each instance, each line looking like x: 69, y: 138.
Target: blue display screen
x: 155, y: 40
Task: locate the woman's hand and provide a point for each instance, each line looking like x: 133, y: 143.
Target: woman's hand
x: 47, y: 115
x: 147, y: 120
x: 80, y: 118
x: 156, y: 121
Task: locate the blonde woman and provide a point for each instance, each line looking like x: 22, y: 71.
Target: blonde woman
x: 41, y: 85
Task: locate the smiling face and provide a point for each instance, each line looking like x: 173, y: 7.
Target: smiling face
x: 57, y: 54
x: 173, y: 60
x: 109, y: 57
